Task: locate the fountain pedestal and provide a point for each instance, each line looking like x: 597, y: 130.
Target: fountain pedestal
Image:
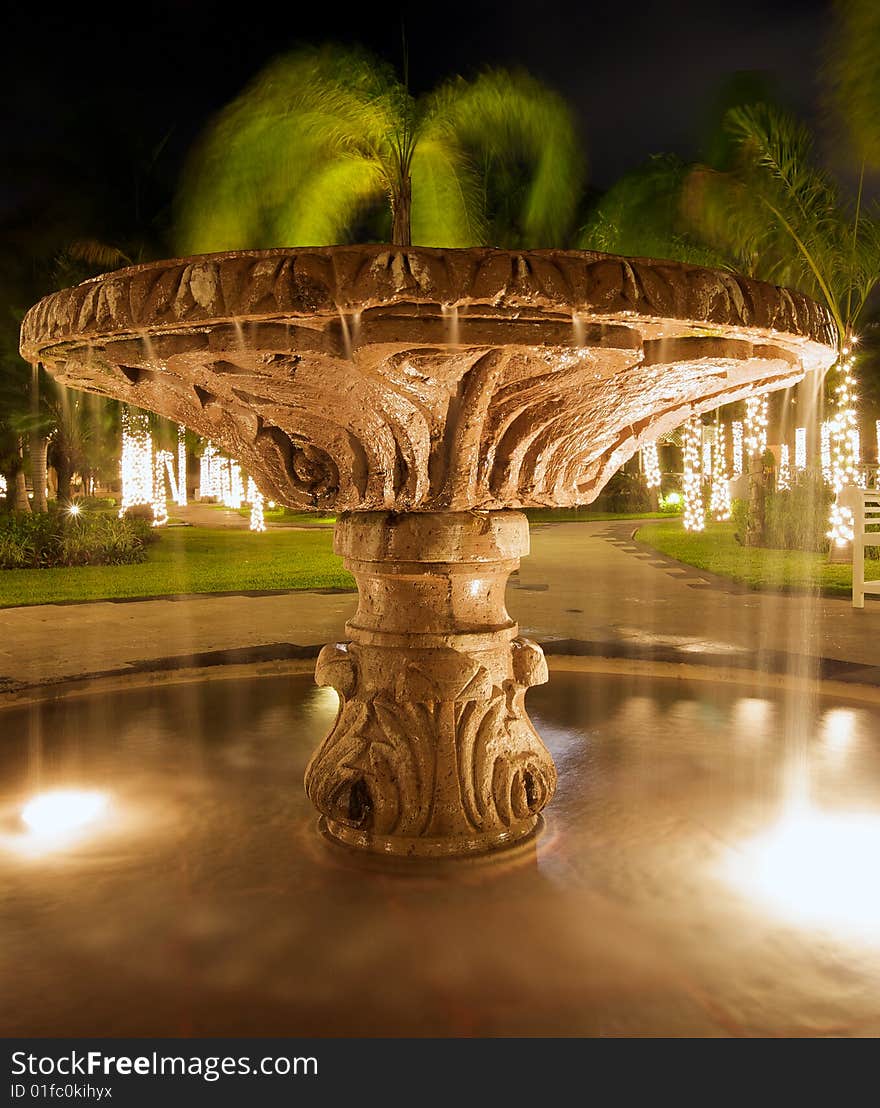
x: 432, y: 752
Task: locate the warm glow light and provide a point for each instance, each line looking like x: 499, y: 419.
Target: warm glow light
x: 160, y: 507
x: 737, y: 431
x: 62, y: 812
x: 755, y: 429
x: 651, y: 465
x: 694, y: 514
x: 800, y: 448
x: 816, y: 868
x: 235, y: 493
x: 839, y: 727
x: 825, y: 451
x: 719, y: 499
x: 752, y: 714
x: 255, y: 498
x: 207, y: 473
x: 181, y: 466
x: 136, y: 464
x: 673, y: 498
x: 707, y: 456
x: 844, y: 447
x: 783, y: 479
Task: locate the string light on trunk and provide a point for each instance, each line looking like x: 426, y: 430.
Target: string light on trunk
x: 651, y: 465
x: 719, y: 501
x: 844, y: 449
x: 694, y: 515
x: 737, y: 435
x: 800, y: 449
x: 783, y: 479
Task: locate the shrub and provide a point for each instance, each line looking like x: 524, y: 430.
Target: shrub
x: 141, y: 512
x: 794, y: 519
x: 625, y: 492
x: 739, y: 514
x: 797, y: 518
x: 55, y: 538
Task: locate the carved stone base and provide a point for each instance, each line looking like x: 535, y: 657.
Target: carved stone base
x: 432, y: 752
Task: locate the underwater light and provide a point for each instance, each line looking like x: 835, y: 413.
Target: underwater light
x: 62, y: 811
x: 817, y: 868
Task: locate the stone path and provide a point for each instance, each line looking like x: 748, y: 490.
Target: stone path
x: 586, y: 588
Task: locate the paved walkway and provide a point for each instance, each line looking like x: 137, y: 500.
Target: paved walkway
x: 586, y: 588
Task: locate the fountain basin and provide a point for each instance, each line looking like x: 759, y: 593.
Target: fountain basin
x: 200, y: 901
x: 425, y: 395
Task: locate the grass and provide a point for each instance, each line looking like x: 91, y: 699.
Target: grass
x: 717, y: 551
x: 288, y: 515
x: 191, y: 560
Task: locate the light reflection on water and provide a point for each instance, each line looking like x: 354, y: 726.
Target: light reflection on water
x: 703, y: 871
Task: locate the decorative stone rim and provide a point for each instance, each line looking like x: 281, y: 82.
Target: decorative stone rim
x: 295, y: 283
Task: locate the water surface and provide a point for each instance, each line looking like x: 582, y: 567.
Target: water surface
x: 708, y: 867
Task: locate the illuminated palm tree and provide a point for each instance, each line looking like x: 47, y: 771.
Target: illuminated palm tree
x: 641, y: 216
x: 777, y: 215
x: 302, y: 156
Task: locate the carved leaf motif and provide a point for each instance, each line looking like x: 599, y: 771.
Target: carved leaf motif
x: 410, y: 735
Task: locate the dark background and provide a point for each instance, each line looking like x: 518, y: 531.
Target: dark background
x: 103, y: 101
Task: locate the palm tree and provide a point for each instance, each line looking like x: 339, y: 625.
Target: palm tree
x: 641, y: 216
x: 777, y: 215
x: 854, y: 76
x: 304, y: 154
x: 781, y: 217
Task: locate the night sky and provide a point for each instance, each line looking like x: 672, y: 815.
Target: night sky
x: 92, y: 90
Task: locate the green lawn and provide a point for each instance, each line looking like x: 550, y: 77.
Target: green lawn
x: 716, y: 550
x: 287, y: 515
x: 191, y: 560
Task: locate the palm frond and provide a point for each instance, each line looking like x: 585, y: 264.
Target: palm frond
x: 641, y: 216
x: 96, y: 253
x: 303, y: 108
x: 853, y: 71
x: 781, y: 218
x: 447, y: 197
x: 323, y: 207
x: 504, y: 119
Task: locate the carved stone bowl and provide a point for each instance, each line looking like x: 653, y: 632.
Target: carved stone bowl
x: 365, y: 378
x: 424, y: 395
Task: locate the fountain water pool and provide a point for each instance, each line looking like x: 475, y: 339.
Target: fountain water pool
x: 563, y: 364
x: 199, y: 901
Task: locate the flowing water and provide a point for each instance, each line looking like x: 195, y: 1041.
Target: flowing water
x: 162, y: 873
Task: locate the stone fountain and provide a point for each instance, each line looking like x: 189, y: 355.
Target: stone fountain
x: 425, y: 396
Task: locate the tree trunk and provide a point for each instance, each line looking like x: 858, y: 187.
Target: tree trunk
x: 20, y: 502
x: 757, y: 501
x: 39, y: 446
x: 401, y: 211
x: 64, y: 473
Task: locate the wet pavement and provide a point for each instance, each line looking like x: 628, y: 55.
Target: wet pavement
x: 584, y: 583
